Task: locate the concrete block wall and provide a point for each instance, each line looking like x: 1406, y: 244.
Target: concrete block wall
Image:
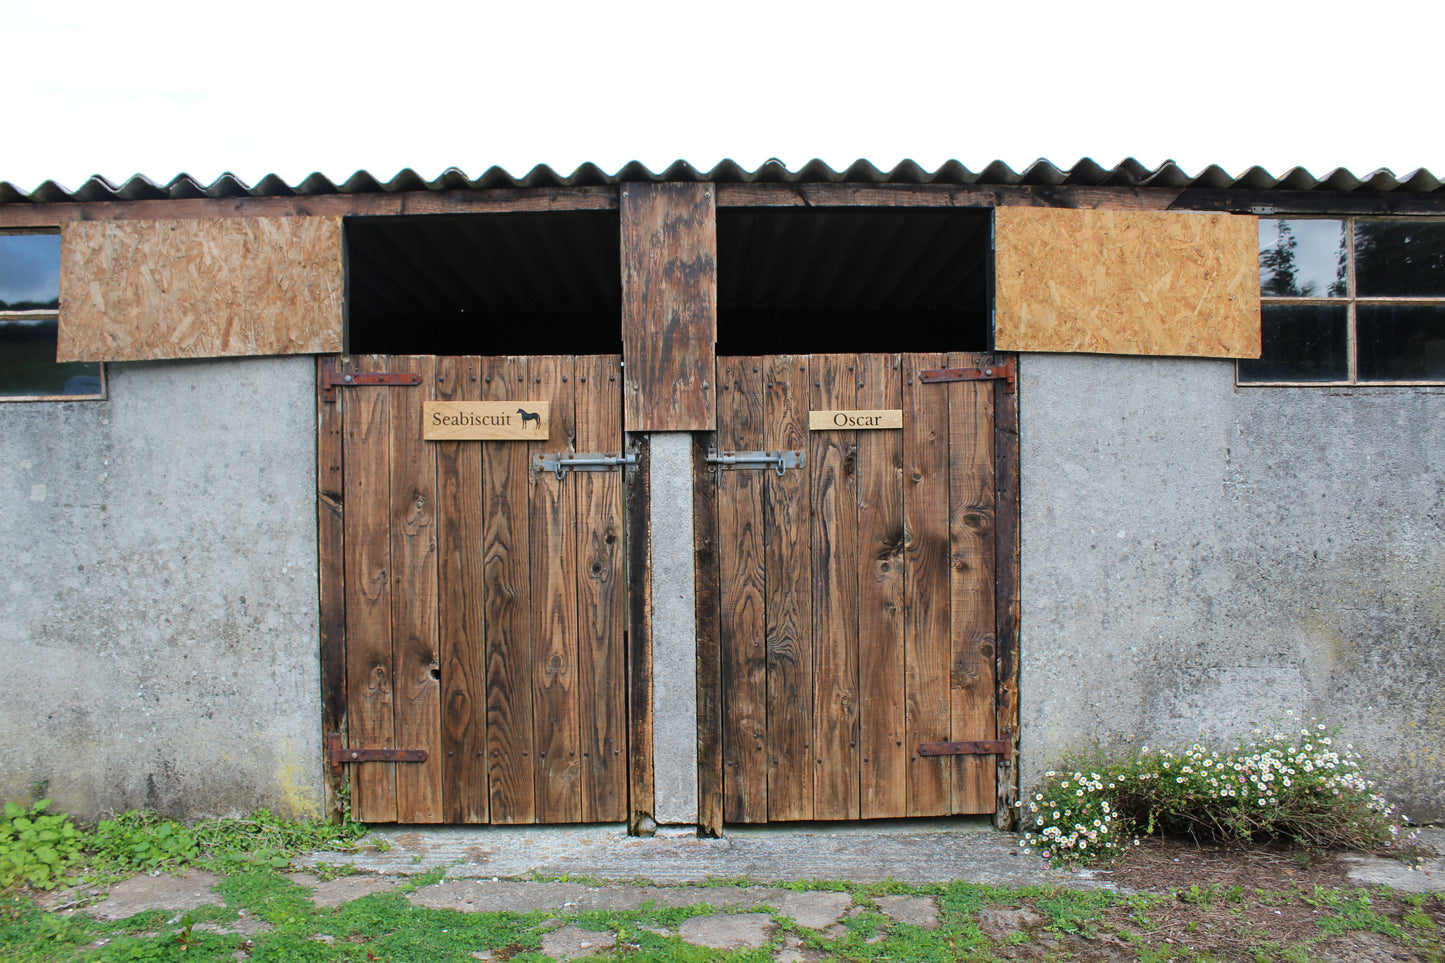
x: 158, y: 615
x: 1199, y: 557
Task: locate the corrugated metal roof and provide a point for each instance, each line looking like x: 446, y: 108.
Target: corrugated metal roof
x: 1086, y: 173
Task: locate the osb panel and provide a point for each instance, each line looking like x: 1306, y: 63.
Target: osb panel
x: 144, y: 289
x: 1126, y: 282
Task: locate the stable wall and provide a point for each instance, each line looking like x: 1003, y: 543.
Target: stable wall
x: 1199, y: 558
x: 158, y: 628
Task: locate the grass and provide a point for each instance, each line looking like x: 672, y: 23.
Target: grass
x: 261, y: 914
x: 1195, y: 924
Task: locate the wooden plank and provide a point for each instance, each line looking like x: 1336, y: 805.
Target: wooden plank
x: 971, y: 582
x: 369, y: 708
x: 331, y: 558
x: 1006, y: 604
x: 141, y: 290
x: 507, y: 608
x: 926, y: 619
x: 1135, y: 283
x: 741, y: 625
x: 461, y: 540
x: 883, y: 749
x: 416, y: 671
x: 489, y: 201
x: 669, y: 306
x: 641, y: 776
x: 944, y: 195
x: 833, y: 476
x: 601, y: 588
x: 709, y: 665
x: 556, y: 713
x: 788, y: 581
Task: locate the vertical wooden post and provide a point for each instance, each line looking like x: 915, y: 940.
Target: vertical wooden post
x: 1006, y: 603
x: 331, y: 549
x: 669, y: 306
x: 641, y: 785
x: 709, y: 659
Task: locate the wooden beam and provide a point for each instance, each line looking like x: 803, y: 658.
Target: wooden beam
x: 641, y: 779
x: 1270, y: 203
x: 669, y: 306
x: 709, y: 658
x: 331, y: 549
x: 496, y: 201
x: 943, y: 195
x: 1007, y: 535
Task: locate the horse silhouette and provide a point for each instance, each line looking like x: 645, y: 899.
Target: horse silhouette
x: 530, y: 416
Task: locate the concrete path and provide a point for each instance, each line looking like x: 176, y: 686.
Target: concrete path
x: 910, y: 851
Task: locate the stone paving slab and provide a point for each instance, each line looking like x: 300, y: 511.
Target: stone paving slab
x: 920, y: 911
x: 572, y: 942
x: 343, y: 889
x: 143, y: 893
x: 737, y: 931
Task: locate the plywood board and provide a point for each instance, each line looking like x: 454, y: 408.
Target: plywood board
x: 1127, y: 282
x: 669, y: 306
x: 150, y: 289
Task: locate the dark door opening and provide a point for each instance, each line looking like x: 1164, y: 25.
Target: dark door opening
x: 490, y: 284
x: 799, y: 281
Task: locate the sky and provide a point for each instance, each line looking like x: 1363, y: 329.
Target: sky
x: 253, y: 88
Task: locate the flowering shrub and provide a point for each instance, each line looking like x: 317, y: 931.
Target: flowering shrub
x: 1298, y: 787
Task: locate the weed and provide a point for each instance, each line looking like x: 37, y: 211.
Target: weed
x: 326, y: 872
x: 430, y: 878
x: 1302, y: 788
x: 1354, y: 912
x: 36, y: 847
x: 142, y: 840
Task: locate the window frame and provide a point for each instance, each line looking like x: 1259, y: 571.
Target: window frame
x: 42, y: 314
x: 1350, y: 300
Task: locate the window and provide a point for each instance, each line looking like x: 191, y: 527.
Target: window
x: 29, y: 319
x: 1351, y: 301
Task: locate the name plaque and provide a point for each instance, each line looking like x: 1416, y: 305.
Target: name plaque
x: 486, y: 420
x: 852, y: 420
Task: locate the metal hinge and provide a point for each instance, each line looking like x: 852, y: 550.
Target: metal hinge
x: 340, y: 755
x: 331, y: 379
x: 973, y: 747
x: 1005, y: 370
x: 778, y: 461
x: 559, y: 462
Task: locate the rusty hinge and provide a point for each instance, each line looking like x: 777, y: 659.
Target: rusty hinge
x: 340, y: 755
x: 1004, y: 370
x: 974, y: 747
x: 331, y: 379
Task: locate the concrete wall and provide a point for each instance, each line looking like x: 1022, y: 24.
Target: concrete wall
x: 158, y: 630
x: 1198, y: 558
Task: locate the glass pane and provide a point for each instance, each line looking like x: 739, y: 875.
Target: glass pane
x: 1401, y: 343
x: 28, y: 367
x: 1302, y: 342
x: 1304, y: 259
x: 1399, y: 259
x: 29, y: 272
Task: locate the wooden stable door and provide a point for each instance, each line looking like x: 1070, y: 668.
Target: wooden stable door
x: 484, y: 600
x: 849, y: 604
